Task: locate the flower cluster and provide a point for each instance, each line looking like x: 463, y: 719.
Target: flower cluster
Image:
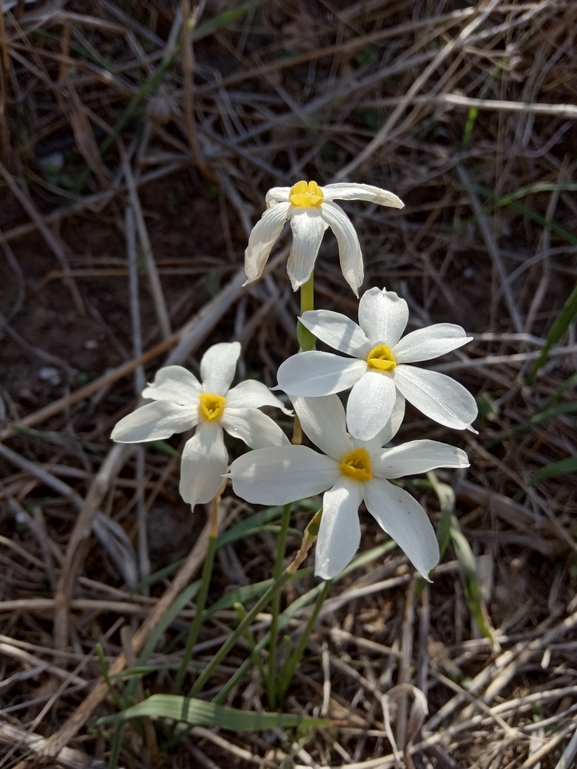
x: 354, y: 464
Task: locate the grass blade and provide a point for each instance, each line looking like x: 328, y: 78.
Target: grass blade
x: 471, y: 589
x: 200, y: 713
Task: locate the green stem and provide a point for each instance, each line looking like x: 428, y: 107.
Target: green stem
x: 308, y: 539
x: 289, y: 668
x: 241, y: 611
x: 202, y: 595
x: 305, y: 338
x: 280, y: 554
x: 238, y: 632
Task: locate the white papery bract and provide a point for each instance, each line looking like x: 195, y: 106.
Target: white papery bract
x: 181, y: 402
x: 349, y: 472
x: 380, y: 371
x: 310, y: 210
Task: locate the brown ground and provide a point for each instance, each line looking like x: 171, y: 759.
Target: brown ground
x: 376, y: 92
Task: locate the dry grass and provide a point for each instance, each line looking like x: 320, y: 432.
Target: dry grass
x: 133, y: 167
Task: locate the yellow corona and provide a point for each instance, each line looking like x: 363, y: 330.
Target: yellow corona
x: 357, y: 465
x: 211, y: 407
x: 305, y: 195
x: 381, y: 358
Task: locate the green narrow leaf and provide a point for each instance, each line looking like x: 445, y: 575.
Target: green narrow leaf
x: 224, y: 18
x: 252, y: 525
x: 200, y: 713
x: 563, y: 467
x: 248, y: 592
x: 558, y: 329
x: 470, y: 581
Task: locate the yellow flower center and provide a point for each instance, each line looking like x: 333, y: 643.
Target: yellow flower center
x: 305, y: 195
x: 211, y: 407
x: 381, y: 358
x: 357, y: 465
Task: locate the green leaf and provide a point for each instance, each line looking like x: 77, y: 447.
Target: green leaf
x: 249, y: 526
x: 200, y: 713
x: 470, y: 581
x: 558, y: 329
x: 563, y: 467
x: 249, y: 592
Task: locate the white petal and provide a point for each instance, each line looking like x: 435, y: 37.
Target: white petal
x: 340, y: 530
x: 344, y: 191
x: 174, y: 383
x: 403, y: 518
x: 277, y: 195
x: 282, y: 474
x: 154, y: 422
x: 389, y: 431
x: 253, y: 427
x: 437, y: 396
x: 430, y: 342
x: 416, y: 457
x: 337, y: 331
x: 314, y: 373
x: 370, y: 405
x: 350, y: 255
x: 323, y: 421
x: 217, y: 367
x: 308, y: 229
x: 204, y: 462
x: 253, y: 394
x: 383, y: 316
x: 262, y: 238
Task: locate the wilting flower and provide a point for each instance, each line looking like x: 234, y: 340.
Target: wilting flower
x: 182, y: 402
x: 380, y: 372
x: 311, y: 209
x: 349, y: 472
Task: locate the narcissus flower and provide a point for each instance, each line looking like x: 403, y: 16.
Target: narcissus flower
x: 310, y: 210
x: 380, y: 372
x: 182, y: 402
x: 349, y: 472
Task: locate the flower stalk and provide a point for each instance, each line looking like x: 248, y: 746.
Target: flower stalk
x: 306, y: 338
x: 202, y: 593
x: 244, y: 625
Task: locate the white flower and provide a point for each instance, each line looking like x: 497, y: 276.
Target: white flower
x: 349, y: 472
x: 311, y: 209
x: 182, y: 402
x: 380, y: 372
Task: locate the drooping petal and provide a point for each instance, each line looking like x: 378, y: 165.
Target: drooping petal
x: 403, y: 518
x: 262, y: 238
x: 337, y: 331
x: 430, y: 342
x: 282, y: 474
x: 253, y: 427
x: 173, y: 383
x: 204, y: 462
x: 389, y: 431
x: 437, y: 396
x: 370, y: 405
x: 313, y: 373
x: 155, y: 422
x: 277, y: 195
x: 366, y: 192
x: 253, y: 394
x: 340, y: 531
x: 383, y: 316
x: 217, y: 367
x: 308, y: 229
x: 350, y: 255
x: 323, y: 422
x: 416, y: 457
